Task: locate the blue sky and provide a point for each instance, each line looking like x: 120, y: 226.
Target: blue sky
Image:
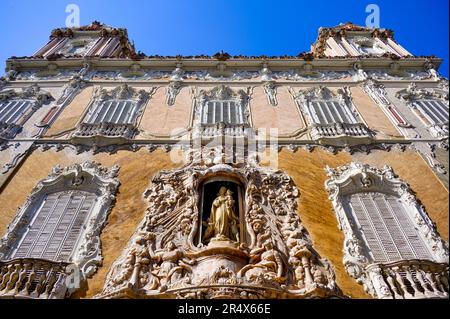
x: 275, y: 27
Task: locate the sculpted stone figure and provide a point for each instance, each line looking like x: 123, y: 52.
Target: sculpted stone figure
x: 223, y: 224
x: 266, y: 262
x: 173, y: 265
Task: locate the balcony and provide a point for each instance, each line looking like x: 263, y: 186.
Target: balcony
x: 32, y: 279
x: 223, y: 129
x: 340, y: 134
x: 409, y: 279
x: 106, y: 130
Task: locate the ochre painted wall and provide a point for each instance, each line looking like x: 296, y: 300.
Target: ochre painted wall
x: 71, y: 115
x: 316, y: 211
x: 136, y: 171
x: 373, y: 115
x: 306, y: 169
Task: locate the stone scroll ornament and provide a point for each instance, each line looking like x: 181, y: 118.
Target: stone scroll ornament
x: 274, y: 259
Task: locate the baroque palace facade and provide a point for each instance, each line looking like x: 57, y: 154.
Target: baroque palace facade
x: 322, y: 175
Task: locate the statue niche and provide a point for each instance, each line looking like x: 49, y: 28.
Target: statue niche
x: 220, y: 209
x: 220, y: 231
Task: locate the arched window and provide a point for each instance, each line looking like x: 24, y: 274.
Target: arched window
x: 57, y: 231
x: 391, y: 246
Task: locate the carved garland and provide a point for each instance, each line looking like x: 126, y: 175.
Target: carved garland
x: 89, y: 177
x: 163, y: 260
x: 355, y: 178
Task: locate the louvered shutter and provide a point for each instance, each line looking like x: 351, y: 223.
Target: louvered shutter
x: 435, y: 111
x: 386, y: 227
x: 56, y: 227
x: 12, y: 111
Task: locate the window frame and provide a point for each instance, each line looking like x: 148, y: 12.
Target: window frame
x: 89, y: 177
x: 31, y: 94
x: 358, y: 178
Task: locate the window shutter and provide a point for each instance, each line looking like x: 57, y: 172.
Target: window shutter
x: 54, y: 231
x: 435, y: 111
x: 12, y: 111
x: 367, y: 228
x: 387, y: 228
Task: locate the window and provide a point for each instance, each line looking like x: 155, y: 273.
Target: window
x: 435, y: 111
x: 12, y: 111
x: 222, y: 111
x: 391, y: 246
x: 57, y: 231
x: 56, y: 227
x: 17, y: 107
x: 386, y: 227
x: 117, y: 112
x: 328, y: 112
x: 113, y: 113
x: 430, y: 106
x: 331, y: 116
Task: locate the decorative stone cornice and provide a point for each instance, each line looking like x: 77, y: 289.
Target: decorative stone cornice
x: 412, y: 92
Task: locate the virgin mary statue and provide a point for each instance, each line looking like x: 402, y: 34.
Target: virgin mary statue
x: 223, y: 222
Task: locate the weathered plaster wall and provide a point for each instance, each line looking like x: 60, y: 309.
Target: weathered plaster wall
x: 70, y: 116
x: 160, y: 119
x: 136, y: 170
x: 285, y: 116
x: 373, y: 115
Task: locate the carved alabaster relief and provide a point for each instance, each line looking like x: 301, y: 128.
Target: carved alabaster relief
x: 221, y: 92
x: 105, y: 133
x: 345, y: 132
x: 34, y: 95
x: 168, y: 258
x: 172, y: 90
x: 271, y: 92
x: 86, y: 256
x: 388, y: 279
x: 412, y: 95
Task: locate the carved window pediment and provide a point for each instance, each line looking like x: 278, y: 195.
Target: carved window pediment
x: 57, y: 231
x: 332, y: 116
x: 389, y: 238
